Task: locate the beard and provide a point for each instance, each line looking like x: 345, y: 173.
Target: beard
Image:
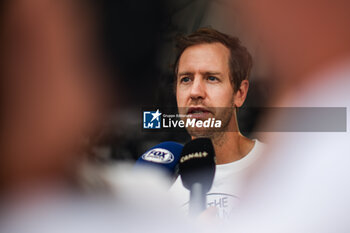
x: 224, y: 114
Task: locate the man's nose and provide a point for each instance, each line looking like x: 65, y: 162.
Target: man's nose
x: 198, y: 89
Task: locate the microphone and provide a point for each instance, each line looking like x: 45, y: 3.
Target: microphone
x: 164, y: 156
x: 197, y: 170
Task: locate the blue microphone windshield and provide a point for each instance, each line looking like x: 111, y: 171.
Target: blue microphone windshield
x: 165, y: 156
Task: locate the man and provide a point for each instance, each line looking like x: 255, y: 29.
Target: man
x: 212, y: 71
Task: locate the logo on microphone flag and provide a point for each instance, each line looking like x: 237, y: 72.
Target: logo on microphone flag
x: 158, y: 155
x: 151, y: 119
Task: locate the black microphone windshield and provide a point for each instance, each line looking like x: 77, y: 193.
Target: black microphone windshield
x: 197, y: 163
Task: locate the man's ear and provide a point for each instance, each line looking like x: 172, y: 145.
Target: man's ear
x: 241, y: 94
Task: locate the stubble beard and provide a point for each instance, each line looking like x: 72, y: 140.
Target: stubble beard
x: 215, y: 134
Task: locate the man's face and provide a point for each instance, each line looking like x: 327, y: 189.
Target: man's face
x: 203, y: 86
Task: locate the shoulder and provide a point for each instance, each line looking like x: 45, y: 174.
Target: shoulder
x: 258, y: 145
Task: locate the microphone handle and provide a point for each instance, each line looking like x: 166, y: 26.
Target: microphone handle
x: 198, y: 199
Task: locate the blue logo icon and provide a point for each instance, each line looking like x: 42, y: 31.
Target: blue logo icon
x: 151, y: 120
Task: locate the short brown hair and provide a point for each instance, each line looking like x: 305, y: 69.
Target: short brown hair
x: 240, y: 61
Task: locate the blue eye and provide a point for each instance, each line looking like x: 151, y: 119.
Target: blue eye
x: 185, y: 79
x: 212, y: 78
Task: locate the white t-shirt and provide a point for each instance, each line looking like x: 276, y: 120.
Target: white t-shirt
x: 228, y: 183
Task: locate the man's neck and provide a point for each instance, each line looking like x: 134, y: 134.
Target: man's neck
x: 231, y: 146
